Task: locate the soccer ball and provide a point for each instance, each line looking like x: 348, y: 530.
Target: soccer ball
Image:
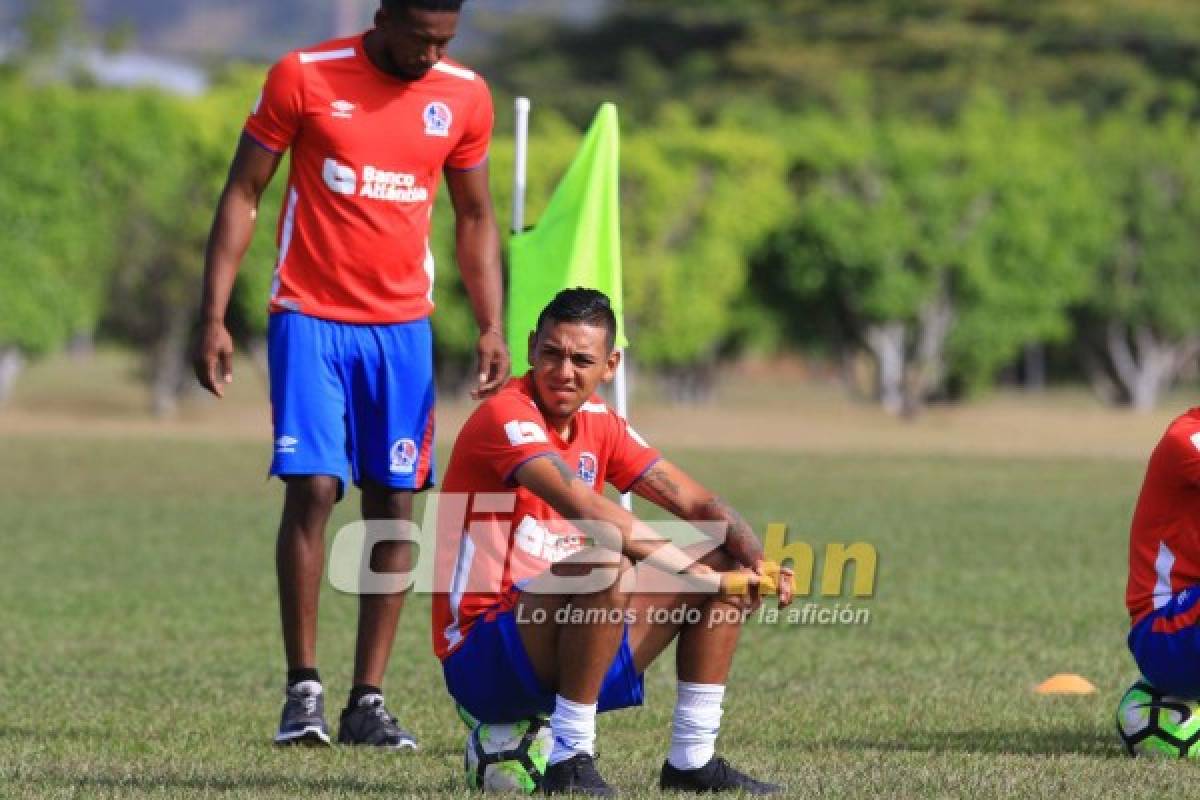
x: 508, y: 758
x: 1153, y: 724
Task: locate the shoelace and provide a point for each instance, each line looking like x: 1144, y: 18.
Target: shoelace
x: 308, y: 701
x: 380, y: 711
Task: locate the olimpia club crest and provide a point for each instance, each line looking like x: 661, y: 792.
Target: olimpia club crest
x: 588, y: 467
x: 438, y: 119
x: 404, y: 456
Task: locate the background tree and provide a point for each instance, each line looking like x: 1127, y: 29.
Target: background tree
x: 939, y: 250
x: 925, y: 56
x: 172, y: 153
x: 1139, y: 326
x: 55, y: 250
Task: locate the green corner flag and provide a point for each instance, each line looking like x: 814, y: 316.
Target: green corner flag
x: 577, y: 241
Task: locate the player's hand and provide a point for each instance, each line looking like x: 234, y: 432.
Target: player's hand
x: 494, y: 363
x: 213, y: 357
x: 776, y: 580
x: 738, y: 587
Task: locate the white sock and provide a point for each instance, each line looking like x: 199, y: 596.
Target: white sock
x: 574, y: 727
x: 695, y: 725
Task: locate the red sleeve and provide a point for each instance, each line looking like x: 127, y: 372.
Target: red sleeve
x: 630, y: 457
x: 472, y: 148
x: 276, y: 116
x: 507, y: 432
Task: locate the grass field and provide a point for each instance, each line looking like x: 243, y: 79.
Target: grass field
x: 141, y: 656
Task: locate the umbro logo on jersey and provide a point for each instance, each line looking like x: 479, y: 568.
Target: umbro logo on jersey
x: 342, y: 109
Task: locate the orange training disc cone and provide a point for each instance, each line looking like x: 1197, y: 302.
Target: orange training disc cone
x: 1065, y: 683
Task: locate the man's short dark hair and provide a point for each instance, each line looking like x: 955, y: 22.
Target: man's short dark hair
x: 582, y: 306
x: 395, y: 6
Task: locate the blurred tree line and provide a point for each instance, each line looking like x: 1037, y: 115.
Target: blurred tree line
x: 946, y: 191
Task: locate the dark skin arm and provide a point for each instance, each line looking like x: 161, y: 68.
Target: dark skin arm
x: 477, y: 249
x: 673, y: 490
x: 232, y: 229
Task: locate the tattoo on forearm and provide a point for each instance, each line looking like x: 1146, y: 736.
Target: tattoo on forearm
x: 564, y: 472
x: 659, y: 481
x: 739, y: 536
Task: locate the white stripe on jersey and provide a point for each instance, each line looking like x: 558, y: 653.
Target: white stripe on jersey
x: 594, y: 408
x: 430, y: 266
x: 1162, y: 566
x: 457, y: 72
x: 285, y: 240
x: 637, y: 437
x: 458, y: 586
x: 326, y: 55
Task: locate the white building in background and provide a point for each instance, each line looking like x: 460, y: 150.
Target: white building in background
x: 127, y: 69
x: 131, y: 69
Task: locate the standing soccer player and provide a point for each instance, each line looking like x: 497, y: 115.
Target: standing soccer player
x: 372, y: 122
x: 527, y: 619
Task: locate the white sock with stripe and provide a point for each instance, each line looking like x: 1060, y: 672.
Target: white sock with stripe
x: 574, y: 727
x: 695, y: 725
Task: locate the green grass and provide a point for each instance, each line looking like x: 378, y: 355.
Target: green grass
x: 140, y: 654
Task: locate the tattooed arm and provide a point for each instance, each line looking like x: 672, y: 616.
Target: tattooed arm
x: 611, y: 526
x: 672, y: 489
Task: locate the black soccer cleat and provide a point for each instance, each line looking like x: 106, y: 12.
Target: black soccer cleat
x: 715, y: 776
x: 303, y: 717
x: 369, y: 723
x: 576, y: 775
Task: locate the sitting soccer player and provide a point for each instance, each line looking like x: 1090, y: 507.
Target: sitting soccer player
x: 1163, y: 593
x: 528, y: 619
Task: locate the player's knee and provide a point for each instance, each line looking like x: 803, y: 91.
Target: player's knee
x: 619, y: 587
x: 312, y: 493
x: 382, y: 502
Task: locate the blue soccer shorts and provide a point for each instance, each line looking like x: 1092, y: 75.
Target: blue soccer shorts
x: 490, y: 675
x: 352, y: 401
x: 1166, y: 645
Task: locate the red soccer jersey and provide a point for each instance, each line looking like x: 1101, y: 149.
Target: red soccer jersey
x: 492, y: 532
x: 367, y: 154
x: 1164, y: 540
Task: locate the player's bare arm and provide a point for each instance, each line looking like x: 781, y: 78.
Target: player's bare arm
x: 673, y: 490
x: 232, y: 229
x: 554, y: 481
x: 477, y: 249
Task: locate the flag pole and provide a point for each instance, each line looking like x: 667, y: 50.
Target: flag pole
x: 520, y: 164
x: 621, y: 390
x: 622, y: 398
x: 520, y: 170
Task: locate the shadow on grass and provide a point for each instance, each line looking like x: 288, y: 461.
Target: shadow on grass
x: 1080, y: 742
x: 49, y: 732
x: 231, y: 783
